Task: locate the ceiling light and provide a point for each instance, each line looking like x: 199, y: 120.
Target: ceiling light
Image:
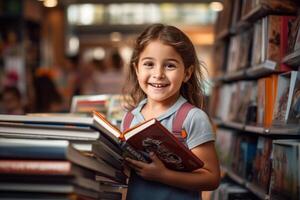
x: 216, y: 6
x: 50, y: 3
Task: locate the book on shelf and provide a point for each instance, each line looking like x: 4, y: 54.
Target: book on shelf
x: 293, y: 116
x: 270, y: 42
x: 151, y: 136
x: 285, y: 90
x: 293, y: 31
x: 262, y: 163
x: 266, y: 95
x: 297, y: 40
x: 285, y: 170
x: 224, y: 145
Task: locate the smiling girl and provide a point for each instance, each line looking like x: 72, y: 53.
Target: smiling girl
x: 165, y: 74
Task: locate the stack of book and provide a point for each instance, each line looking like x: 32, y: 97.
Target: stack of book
x: 79, y: 157
x: 58, y: 157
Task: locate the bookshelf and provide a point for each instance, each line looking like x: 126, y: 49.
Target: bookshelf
x: 20, y: 23
x: 255, y: 91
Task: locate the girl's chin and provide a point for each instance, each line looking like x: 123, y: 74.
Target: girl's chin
x: 163, y: 97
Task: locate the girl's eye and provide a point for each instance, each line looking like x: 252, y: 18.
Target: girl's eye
x: 170, y: 66
x: 148, y: 64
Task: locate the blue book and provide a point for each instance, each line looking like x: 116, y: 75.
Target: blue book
x: 11, y: 148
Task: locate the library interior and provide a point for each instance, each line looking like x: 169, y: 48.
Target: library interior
x: 65, y: 73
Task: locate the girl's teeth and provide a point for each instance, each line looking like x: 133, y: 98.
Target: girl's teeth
x: 158, y: 85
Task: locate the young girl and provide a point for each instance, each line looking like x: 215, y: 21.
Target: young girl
x: 164, y: 74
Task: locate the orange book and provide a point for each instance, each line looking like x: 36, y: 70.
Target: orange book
x: 270, y: 96
x: 151, y: 136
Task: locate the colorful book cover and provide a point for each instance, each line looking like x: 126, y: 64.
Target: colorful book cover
x: 286, y: 84
x: 262, y: 163
x: 294, y: 112
x: 151, y: 136
x: 285, y: 169
x: 224, y: 143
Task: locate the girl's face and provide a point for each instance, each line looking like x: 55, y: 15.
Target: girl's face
x: 160, y: 72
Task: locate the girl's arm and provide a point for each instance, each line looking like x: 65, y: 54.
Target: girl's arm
x: 206, y: 178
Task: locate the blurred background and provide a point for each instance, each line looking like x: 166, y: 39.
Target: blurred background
x: 65, y: 57
x: 51, y: 50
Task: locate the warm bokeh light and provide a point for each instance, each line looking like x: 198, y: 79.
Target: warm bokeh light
x: 50, y: 3
x: 115, y: 37
x: 216, y: 6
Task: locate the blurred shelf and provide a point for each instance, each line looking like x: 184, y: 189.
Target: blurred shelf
x: 242, y: 26
x: 218, y: 79
x: 224, y: 34
x: 263, y: 10
x: 256, y: 190
x: 255, y: 14
x: 236, y: 177
x: 235, y: 125
x: 234, y: 76
x: 288, y: 129
x: 275, y: 130
x: 255, y: 129
x: 260, y: 70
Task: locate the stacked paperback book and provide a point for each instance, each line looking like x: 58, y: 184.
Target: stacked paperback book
x: 58, y: 157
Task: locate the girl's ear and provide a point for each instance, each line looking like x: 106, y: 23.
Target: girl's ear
x: 188, y: 73
x: 135, y: 68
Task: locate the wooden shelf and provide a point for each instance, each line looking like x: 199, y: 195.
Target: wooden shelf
x: 255, y: 14
x: 251, y: 186
x: 262, y: 10
x: 263, y: 69
x: 224, y: 34
x: 234, y: 125
x: 218, y: 79
x: 257, y: 191
x: 236, y: 177
x: 289, y: 129
x: 255, y: 129
x: 266, y: 68
x: 280, y: 130
x: 234, y: 76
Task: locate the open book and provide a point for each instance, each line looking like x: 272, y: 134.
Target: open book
x: 151, y: 136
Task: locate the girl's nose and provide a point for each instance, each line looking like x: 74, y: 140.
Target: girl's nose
x: 159, y: 73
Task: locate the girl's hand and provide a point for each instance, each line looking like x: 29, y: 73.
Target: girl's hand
x: 151, y: 171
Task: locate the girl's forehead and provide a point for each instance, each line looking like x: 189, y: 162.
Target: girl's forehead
x: 159, y: 48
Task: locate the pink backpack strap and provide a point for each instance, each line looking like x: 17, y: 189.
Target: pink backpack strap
x: 127, y: 120
x: 179, y: 119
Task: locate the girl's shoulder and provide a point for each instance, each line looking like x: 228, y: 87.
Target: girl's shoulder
x: 196, y: 115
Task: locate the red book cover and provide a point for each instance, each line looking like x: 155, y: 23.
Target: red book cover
x: 151, y: 136
x: 286, y: 22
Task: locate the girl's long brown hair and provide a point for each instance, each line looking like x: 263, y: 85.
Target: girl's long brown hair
x: 192, y: 90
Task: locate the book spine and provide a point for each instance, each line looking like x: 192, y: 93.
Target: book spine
x: 34, y: 167
x: 129, y: 151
